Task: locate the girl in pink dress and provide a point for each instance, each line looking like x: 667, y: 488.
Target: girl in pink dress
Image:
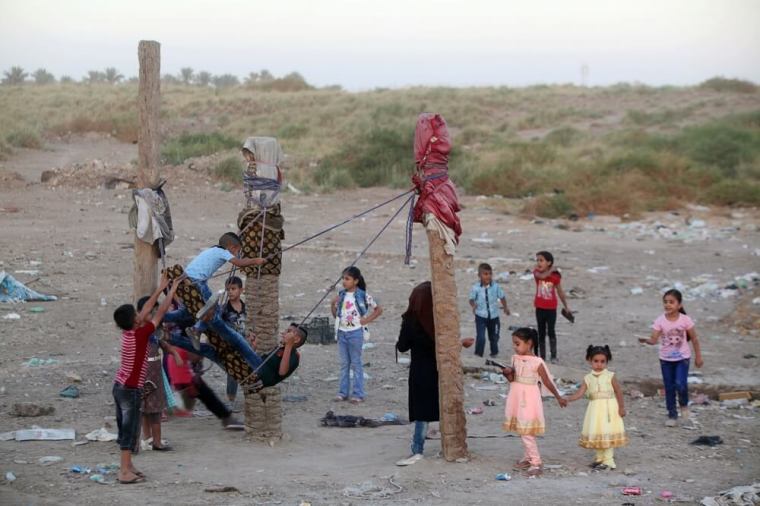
x: 525, y: 412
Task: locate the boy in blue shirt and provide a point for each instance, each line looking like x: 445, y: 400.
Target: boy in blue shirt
x: 199, y: 271
x: 485, y: 296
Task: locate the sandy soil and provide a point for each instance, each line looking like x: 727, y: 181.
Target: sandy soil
x: 82, y: 241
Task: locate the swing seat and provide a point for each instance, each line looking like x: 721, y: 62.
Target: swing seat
x: 229, y: 358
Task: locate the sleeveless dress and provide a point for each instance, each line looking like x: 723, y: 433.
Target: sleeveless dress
x: 524, y: 412
x: 602, y: 427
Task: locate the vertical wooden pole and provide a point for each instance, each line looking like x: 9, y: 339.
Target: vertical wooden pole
x: 263, y: 410
x: 148, y: 144
x: 447, y: 348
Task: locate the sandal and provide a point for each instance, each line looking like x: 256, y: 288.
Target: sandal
x: 136, y: 479
x: 165, y: 448
x: 534, y: 471
x: 356, y: 400
x: 521, y: 465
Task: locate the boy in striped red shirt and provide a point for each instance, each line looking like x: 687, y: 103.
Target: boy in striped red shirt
x: 130, y: 378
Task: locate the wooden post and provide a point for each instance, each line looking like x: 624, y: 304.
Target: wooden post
x: 148, y: 143
x: 263, y: 410
x: 447, y: 347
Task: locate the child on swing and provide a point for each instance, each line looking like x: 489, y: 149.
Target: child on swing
x: 353, y: 308
x: 199, y: 271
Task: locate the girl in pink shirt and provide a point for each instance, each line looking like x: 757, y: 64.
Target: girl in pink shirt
x: 674, y: 329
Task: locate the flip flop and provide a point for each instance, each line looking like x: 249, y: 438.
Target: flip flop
x: 136, y: 479
x: 166, y: 448
x: 569, y: 316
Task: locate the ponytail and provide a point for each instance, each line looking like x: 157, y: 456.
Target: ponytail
x: 355, y: 273
x: 676, y: 294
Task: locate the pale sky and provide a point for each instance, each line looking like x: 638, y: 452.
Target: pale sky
x: 391, y: 43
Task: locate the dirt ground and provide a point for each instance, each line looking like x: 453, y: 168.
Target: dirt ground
x: 77, y: 240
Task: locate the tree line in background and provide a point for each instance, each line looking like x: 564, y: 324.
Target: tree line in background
x: 264, y: 79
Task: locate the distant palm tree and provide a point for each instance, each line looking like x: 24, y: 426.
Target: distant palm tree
x: 186, y: 74
x: 112, y: 75
x: 42, y: 76
x: 14, y: 76
x: 203, y: 78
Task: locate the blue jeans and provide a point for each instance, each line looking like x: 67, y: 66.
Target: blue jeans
x: 350, y: 351
x: 180, y: 340
x: 675, y: 376
x: 482, y: 325
x: 232, y: 387
x: 127, y: 402
x: 418, y: 439
x: 217, y: 325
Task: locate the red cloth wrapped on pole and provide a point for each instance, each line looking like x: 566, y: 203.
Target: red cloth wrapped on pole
x: 437, y: 194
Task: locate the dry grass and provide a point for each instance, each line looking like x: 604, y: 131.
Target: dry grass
x: 619, y: 149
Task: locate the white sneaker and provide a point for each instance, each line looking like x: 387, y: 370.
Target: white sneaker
x: 672, y: 422
x: 410, y: 460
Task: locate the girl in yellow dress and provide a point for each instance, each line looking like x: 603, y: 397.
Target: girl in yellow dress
x: 603, y: 428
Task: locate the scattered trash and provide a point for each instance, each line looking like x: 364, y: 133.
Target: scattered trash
x: 390, y: 417
x: 36, y: 309
x: 708, y: 441
x: 368, y: 346
x: 70, y: 392
x: 107, y: 468
x: 475, y: 411
x: 756, y: 301
x: 503, y: 477
x: 597, y: 270
x: 347, y: 421
x: 39, y: 434
x: 12, y: 316
x: 637, y: 290
x: 666, y: 494
x: 99, y: 478
x: 636, y: 394
x: 482, y: 240
x: 15, y: 291
x: 30, y: 409
x: 370, y: 490
x: 294, y: 398
x: 734, y: 403
x: 221, y: 489
x: 80, y: 470
x: 727, y: 396
x: 101, y: 435
x: 10, y: 477
x: 39, y: 362
x: 694, y: 380
x: 701, y: 400
x: 736, y: 496
x: 632, y: 491
x: 7, y: 436
x: 49, y: 460
x: 489, y: 402
x: 74, y: 377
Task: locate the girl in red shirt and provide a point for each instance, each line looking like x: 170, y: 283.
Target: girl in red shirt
x: 548, y: 287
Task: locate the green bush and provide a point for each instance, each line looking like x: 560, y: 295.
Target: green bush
x: 551, y: 206
x: 24, y: 138
x: 730, y: 85
x: 186, y: 146
x: 563, y: 136
x: 719, y: 144
x: 292, y: 131
x: 734, y: 193
x: 374, y: 158
x: 230, y: 169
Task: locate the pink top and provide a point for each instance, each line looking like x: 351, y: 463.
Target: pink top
x: 674, y: 343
